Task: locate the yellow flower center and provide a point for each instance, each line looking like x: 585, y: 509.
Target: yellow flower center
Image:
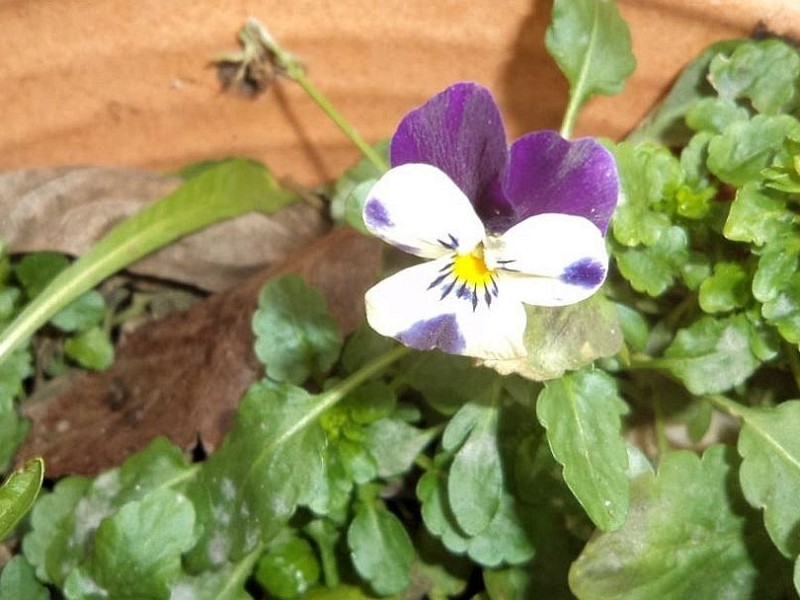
x: 471, y: 268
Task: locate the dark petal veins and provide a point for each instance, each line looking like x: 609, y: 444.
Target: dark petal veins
x: 460, y: 131
x: 586, y: 273
x: 441, y: 332
x: 548, y: 174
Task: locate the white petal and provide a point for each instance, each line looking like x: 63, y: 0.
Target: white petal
x: 551, y: 259
x: 419, y: 209
x: 403, y: 307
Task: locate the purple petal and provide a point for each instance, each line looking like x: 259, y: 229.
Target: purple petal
x: 440, y: 332
x: 548, y: 174
x: 460, y: 131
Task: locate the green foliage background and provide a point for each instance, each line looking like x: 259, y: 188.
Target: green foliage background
x: 664, y: 464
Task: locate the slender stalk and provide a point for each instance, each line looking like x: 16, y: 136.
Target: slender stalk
x: 329, y: 398
x: 727, y: 406
x: 659, y: 425
x: 293, y: 69
x: 571, y: 115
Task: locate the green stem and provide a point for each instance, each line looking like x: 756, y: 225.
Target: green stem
x: 662, y: 443
x: 287, y: 62
x: 571, y: 115
x: 727, y: 406
x: 329, y: 398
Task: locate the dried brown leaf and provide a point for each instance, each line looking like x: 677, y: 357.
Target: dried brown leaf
x: 183, y: 376
x: 68, y: 209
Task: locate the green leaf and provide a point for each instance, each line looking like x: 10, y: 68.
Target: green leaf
x: 83, y: 313
x: 776, y: 265
x: 581, y: 413
x: 225, y: 583
x: 50, y: 546
x: 36, y: 270
x: 784, y: 174
x: 634, y: 327
x: 395, y: 445
x: 296, y: 337
x: 223, y: 191
x: 797, y: 575
x: 136, y: 554
x: 712, y: 355
x: 665, y: 123
x: 770, y: 471
x: 689, y: 535
x: 715, y: 114
x: 381, y: 549
x: 448, y: 381
x: 592, y: 46
x: 757, y: 216
x: 764, y: 72
x: 65, y: 521
x: 746, y: 147
x: 92, y: 349
x: 288, y: 569
x: 727, y: 289
x: 653, y: 269
x: 18, y: 493
x: 249, y: 488
x: 18, y: 580
x: 364, y: 345
x: 783, y: 311
x: 13, y: 372
x: 475, y: 484
x: 650, y: 176
x: 505, y: 539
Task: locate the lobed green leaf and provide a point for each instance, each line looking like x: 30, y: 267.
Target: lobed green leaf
x: 712, y: 355
x: 764, y: 72
x: 136, y: 553
x: 296, y: 337
x: 18, y: 580
x: 757, y: 216
x: 745, y: 148
x: 726, y: 290
x: 689, y: 535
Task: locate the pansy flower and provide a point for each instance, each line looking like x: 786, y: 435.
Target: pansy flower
x: 501, y: 226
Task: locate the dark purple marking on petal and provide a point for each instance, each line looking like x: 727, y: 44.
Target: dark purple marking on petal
x: 461, y: 132
x: 375, y: 214
x: 548, y: 174
x: 451, y: 244
x: 441, y: 332
x: 586, y: 273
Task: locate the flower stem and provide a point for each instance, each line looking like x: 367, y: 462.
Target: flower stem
x: 330, y: 397
x: 727, y: 406
x: 295, y: 71
x: 571, y: 115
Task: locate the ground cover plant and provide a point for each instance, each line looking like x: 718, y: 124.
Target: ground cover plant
x: 543, y: 367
